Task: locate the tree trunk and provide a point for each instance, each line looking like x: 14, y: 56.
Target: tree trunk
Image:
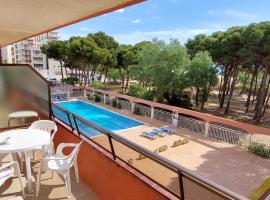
x: 61, y: 67
x: 197, y: 96
x: 127, y: 82
x: 245, y: 82
x: 105, y: 76
x: 204, y: 97
x: 223, y: 89
x: 229, y: 85
x: 255, y: 89
x: 261, y: 97
x: 209, y: 86
x: 250, y: 89
x: 266, y: 102
x: 220, y: 87
x: 234, y: 77
x: 66, y: 72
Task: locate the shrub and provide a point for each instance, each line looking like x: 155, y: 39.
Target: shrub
x: 70, y: 80
x: 185, y: 101
x: 148, y: 95
x: 97, y: 85
x: 119, y: 106
x: 97, y: 98
x: 137, y: 110
x: 135, y: 90
x: 89, y: 96
x: 114, y: 103
x: 260, y: 150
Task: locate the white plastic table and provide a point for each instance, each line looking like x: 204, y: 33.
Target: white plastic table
x: 24, y: 140
x: 23, y: 114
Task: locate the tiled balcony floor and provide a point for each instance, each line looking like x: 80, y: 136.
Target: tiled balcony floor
x: 50, y: 188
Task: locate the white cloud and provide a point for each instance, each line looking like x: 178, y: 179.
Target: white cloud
x: 233, y: 13
x: 85, y: 29
x: 120, y: 10
x: 181, y: 34
x: 136, y: 21
x: 66, y: 35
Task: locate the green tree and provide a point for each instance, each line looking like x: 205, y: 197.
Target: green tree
x: 56, y: 51
x: 203, y: 75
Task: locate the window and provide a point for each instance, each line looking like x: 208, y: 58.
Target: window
x: 38, y: 65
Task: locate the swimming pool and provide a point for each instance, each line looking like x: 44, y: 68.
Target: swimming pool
x: 101, y: 117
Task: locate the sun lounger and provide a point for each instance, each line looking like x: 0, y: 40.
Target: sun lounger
x: 177, y: 143
x: 149, y: 135
x: 130, y: 161
x: 185, y: 141
x: 141, y: 156
x: 168, y: 129
x: 163, y: 148
x: 159, y: 132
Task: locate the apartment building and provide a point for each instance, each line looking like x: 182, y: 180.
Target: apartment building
x: 29, y: 52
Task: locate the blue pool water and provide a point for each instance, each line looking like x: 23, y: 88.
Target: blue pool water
x: 101, y: 117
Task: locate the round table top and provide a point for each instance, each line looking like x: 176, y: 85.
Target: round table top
x: 23, y: 113
x: 23, y: 140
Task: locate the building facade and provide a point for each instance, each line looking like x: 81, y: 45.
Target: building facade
x: 29, y: 51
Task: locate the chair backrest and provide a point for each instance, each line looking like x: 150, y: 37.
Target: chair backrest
x: 74, y: 154
x: 45, y: 125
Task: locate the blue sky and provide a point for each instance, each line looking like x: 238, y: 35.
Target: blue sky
x: 165, y: 19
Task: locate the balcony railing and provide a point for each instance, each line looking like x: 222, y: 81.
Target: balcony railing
x: 174, y: 178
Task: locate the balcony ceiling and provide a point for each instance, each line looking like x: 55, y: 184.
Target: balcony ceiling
x: 22, y: 19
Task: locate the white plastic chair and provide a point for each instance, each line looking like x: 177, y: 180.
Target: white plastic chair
x: 61, y: 164
x: 45, y: 125
x: 10, y: 170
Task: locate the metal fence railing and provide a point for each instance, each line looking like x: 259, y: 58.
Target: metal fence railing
x: 59, y: 96
x: 162, y: 115
x: 190, y: 124
x: 142, y: 110
x: 225, y: 134
x: 176, y: 179
x: 124, y: 105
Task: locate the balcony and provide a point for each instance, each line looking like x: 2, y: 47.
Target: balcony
x: 51, y: 188
x: 124, y: 165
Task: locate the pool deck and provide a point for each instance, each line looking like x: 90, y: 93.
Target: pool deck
x: 225, y: 164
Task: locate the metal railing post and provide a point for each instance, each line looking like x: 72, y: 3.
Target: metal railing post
x: 111, y: 145
x: 76, y: 125
x: 132, y: 106
x: 69, y: 121
x: 152, y: 112
x: 181, y: 185
x: 104, y: 98
x: 206, y: 130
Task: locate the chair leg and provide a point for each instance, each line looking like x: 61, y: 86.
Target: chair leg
x: 20, y: 180
x: 18, y: 173
x: 52, y: 174
x: 68, y: 183
x: 21, y: 161
x: 35, y: 155
x: 76, y: 171
x: 38, y: 178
